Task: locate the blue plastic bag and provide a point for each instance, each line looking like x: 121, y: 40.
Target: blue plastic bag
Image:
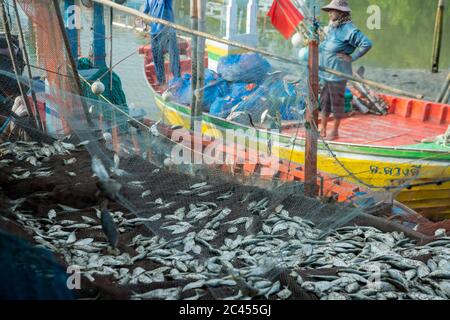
x: 215, y: 87
x: 274, y: 95
x: 240, y: 90
x: 248, y: 67
x: 289, y: 103
x: 181, y: 90
x: 222, y: 106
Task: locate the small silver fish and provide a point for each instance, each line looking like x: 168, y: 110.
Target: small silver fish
x: 194, y: 285
x: 184, y: 192
x: 72, y: 238
x: 22, y: 176
x: 205, y: 194
x: 32, y: 160
x: 225, y: 196
x: 84, y: 242
x: 136, y: 184
x: 69, y: 161
x: 275, y: 288
x: 109, y: 228
x: 83, y: 143
x: 167, y: 294
x: 67, y: 208
x: 232, y: 230
x: 180, y: 227
x: 284, y: 294
x: 198, y: 185
x: 51, y: 214
x: 145, y: 193
x: 68, y: 146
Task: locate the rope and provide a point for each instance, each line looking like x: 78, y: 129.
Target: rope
x: 27, y: 60
x: 68, y: 76
x: 51, y: 71
x: 141, y: 123
x: 119, y: 62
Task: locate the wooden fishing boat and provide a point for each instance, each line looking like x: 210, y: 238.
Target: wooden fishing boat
x: 375, y: 152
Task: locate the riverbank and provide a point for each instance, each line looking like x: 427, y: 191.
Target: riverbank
x: 419, y: 81
x: 414, y: 80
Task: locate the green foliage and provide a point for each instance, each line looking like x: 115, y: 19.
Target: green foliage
x: 404, y: 41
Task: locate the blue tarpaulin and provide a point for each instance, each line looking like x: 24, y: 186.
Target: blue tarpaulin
x: 215, y: 87
x: 238, y: 92
x: 248, y: 67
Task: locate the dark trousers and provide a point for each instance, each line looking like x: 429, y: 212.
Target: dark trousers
x: 167, y: 38
x: 332, y: 98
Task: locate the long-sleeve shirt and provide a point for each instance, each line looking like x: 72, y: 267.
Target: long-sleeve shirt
x: 161, y: 9
x: 347, y: 39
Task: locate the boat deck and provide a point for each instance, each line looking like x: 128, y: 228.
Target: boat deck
x: 389, y: 130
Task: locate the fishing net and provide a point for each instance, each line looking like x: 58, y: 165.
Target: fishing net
x: 219, y: 214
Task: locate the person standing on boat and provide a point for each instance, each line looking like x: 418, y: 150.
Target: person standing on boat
x: 162, y: 38
x: 344, y: 43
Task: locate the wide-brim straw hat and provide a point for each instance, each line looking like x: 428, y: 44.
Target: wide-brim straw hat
x: 339, y: 5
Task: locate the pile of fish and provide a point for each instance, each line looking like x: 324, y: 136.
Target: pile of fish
x: 38, y: 155
x: 206, y: 247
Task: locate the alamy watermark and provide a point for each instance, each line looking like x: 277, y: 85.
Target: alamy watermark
x: 74, y: 278
x: 374, y: 19
x: 374, y: 280
x: 74, y: 17
x: 232, y: 147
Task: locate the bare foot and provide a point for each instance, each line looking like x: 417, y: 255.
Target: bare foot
x: 332, y: 136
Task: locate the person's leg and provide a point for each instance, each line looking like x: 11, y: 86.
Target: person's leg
x: 174, y: 54
x: 324, y: 109
x: 323, y: 120
x: 335, y: 132
x: 158, y: 56
x: 337, y: 96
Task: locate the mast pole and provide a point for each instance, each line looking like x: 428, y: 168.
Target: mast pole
x: 194, y: 40
x: 198, y: 109
x: 312, y: 117
x: 437, y: 38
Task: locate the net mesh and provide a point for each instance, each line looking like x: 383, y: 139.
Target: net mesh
x: 218, y: 214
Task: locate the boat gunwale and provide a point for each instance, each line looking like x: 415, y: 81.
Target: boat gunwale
x: 332, y: 143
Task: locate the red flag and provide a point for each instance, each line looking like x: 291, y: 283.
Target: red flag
x: 285, y: 17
